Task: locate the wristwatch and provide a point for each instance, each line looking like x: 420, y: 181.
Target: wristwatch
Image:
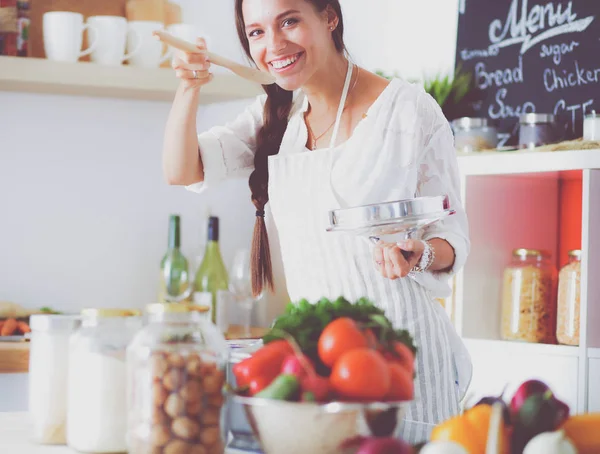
x: 426, y: 260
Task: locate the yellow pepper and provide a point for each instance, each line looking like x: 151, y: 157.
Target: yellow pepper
x: 584, y: 431
x: 470, y: 430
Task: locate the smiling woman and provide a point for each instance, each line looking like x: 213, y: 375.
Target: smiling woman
x: 329, y: 134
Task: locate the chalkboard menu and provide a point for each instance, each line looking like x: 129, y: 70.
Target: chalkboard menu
x: 531, y: 56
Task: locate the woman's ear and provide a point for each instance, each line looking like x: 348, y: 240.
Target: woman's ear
x: 332, y: 18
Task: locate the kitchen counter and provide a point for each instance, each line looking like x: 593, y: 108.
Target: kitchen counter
x: 15, y: 438
x: 14, y: 356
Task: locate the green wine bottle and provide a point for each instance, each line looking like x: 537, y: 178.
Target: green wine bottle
x: 212, y: 274
x: 175, y: 283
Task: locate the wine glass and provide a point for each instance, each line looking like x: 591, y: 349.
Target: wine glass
x: 240, y: 286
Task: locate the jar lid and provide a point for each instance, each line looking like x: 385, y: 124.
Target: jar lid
x: 161, y: 308
x: 470, y: 122
x: 51, y: 322
x: 575, y: 253
x: 536, y: 118
x: 110, y: 312
x: 522, y: 252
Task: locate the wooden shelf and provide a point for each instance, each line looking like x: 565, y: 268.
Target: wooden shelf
x: 515, y: 162
x: 14, y: 357
x: 37, y: 75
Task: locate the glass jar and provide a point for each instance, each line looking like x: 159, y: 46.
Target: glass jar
x: 96, y: 410
x: 567, y: 321
x: 48, y: 366
x: 591, y: 126
x: 176, y: 372
x: 474, y: 134
x: 528, y: 304
x: 536, y: 130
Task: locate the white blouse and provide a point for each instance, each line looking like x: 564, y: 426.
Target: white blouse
x: 415, y: 157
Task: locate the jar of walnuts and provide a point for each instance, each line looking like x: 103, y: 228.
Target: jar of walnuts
x: 528, y: 298
x: 176, y: 372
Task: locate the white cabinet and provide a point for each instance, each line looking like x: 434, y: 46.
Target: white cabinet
x: 594, y: 385
x: 497, y: 365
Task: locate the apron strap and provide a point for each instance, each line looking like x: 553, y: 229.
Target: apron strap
x: 341, y: 106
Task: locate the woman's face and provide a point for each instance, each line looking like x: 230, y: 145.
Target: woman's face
x: 288, y: 38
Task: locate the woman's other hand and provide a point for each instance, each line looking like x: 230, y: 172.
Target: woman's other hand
x: 192, y: 67
x: 389, y: 260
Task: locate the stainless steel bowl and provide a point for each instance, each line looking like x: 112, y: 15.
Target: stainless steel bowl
x: 409, y: 216
x: 300, y: 428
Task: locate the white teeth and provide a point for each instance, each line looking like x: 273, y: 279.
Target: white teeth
x: 279, y: 64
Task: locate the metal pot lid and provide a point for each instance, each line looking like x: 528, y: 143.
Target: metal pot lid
x: 390, y: 217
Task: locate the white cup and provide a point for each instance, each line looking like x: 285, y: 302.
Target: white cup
x: 150, y: 54
x: 112, y: 40
x: 63, y: 36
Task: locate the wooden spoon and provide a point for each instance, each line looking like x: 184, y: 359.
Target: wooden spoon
x: 246, y: 72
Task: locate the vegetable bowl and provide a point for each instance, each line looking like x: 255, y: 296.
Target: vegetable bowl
x: 307, y: 427
x: 326, y: 375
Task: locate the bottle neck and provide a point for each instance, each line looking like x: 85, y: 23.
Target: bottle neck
x: 212, y: 248
x: 174, y: 234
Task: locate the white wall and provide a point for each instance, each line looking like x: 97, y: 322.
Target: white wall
x: 83, y: 206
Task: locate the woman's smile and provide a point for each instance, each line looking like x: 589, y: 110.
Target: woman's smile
x: 286, y: 64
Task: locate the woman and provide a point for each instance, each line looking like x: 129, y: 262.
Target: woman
x: 330, y: 134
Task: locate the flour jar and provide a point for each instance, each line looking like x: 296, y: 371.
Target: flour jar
x: 568, y: 301
x: 48, y: 366
x: 176, y: 372
x: 96, y: 404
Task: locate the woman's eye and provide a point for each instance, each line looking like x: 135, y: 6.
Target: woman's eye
x: 290, y: 21
x: 254, y: 33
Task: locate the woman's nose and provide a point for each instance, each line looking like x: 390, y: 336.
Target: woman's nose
x: 277, y: 42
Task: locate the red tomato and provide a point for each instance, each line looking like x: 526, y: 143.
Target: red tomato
x: 339, y: 337
x: 265, y: 362
x: 317, y: 385
x: 361, y: 374
x: 258, y: 384
x: 404, y: 356
x: 402, y: 386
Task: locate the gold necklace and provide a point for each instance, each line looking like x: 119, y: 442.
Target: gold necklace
x: 313, y: 144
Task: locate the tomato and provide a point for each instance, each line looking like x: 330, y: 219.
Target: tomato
x: 403, y: 355
x: 361, y: 374
x: 265, y: 362
x: 339, y: 337
x: 258, y: 384
x: 402, y: 386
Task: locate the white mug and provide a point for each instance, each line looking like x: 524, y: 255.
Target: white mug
x: 63, y: 36
x: 150, y: 54
x: 112, y: 40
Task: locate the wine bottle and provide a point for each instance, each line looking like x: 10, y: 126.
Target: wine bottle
x: 175, y: 283
x: 212, y: 274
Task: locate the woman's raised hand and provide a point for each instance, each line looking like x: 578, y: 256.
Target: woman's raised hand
x: 193, y: 67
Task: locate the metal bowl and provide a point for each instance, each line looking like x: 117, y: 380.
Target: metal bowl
x: 300, y: 427
x: 408, y: 216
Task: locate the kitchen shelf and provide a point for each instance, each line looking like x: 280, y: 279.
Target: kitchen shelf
x: 14, y: 357
x: 38, y: 75
x: 516, y: 162
x: 522, y: 348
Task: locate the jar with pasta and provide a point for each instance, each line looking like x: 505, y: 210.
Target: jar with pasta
x: 567, y: 321
x: 176, y: 373
x: 528, y: 298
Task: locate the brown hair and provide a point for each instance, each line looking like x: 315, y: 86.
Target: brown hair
x: 275, y: 118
